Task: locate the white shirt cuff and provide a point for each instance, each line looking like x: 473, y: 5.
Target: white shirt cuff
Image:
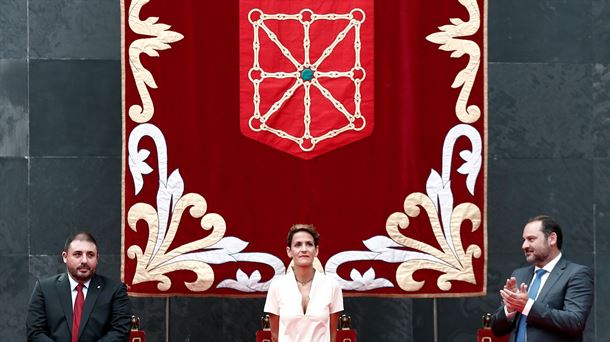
x: 528, y: 306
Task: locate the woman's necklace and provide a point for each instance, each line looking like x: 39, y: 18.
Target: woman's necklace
x: 303, y: 283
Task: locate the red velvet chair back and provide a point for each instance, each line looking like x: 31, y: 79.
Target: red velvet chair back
x: 485, y: 335
x: 136, y: 335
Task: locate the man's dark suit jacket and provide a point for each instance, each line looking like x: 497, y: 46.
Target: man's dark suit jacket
x: 561, y: 309
x: 106, y: 313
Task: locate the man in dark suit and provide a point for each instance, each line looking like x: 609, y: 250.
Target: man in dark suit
x: 58, y: 301
x: 560, y: 293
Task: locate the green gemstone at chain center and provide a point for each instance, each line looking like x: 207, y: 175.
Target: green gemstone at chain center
x: 307, y: 74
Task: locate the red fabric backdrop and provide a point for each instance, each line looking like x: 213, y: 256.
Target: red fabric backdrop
x: 190, y: 162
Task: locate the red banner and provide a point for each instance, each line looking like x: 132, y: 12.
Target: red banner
x: 307, y: 91
x: 365, y: 118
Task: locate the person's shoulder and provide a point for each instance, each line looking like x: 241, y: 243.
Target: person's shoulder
x: 328, y: 279
x: 330, y: 284
x: 278, y: 282
x: 323, y: 276
x: 574, y: 271
x: 570, y: 265
x: 523, y: 269
x: 53, y: 279
x: 51, y: 283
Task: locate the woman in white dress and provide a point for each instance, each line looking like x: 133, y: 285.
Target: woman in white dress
x: 303, y: 305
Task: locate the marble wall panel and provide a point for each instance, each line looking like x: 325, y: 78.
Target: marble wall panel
x: 602, y: 206
x: 601, y: 110
x: 242, y: 318
x: 524, y: 31
x: 202, y: 320
x: 423, y: 319
x: 381, y: 319
x: 46, y: 265
x: 13, y: 26
x: 109, y: 264
x: 215, y: 319
x: 14, y: 296
x: 540, y: 111
x: 13, y: 107
x: 74, y: 29
x: 72, y: 194
x: 523, y: 188
x: 13, y: 206
x: 601, y: 309
x: 601, y: 31
x: 151, y: 311
x: 75, y: 108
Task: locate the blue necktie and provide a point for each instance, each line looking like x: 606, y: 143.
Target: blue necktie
x: 531, y: 293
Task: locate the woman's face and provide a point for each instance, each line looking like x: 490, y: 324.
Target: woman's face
x: 302, y: 250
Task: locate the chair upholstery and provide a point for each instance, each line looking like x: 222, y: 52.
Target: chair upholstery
x: 135, y: 334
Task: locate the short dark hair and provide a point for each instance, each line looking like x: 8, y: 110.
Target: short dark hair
x: 549, y: 225
x: 301, y: 227
x: 80, y: 236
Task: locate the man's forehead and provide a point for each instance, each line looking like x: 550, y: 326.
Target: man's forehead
x: 533, y: 229
x: 82, y: 246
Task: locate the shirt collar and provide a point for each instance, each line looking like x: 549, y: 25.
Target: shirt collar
x: 74, y: 283
x: 549, y: 267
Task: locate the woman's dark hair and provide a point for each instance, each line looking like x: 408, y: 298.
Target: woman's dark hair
x: 301, y: 227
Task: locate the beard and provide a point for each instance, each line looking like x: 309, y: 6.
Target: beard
x: 538, y: 255
x: 82, y: 273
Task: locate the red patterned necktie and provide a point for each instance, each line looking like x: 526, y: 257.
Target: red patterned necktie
x: 78, y: 311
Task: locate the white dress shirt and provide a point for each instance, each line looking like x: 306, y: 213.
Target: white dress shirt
x: 73, y: 284
x: 548, y: 268
x: 284, y: 300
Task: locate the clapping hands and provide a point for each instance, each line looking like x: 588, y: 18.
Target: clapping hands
x: 514, y: 297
